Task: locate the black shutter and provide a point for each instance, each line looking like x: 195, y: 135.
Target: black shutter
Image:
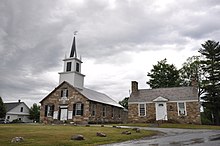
x: 66, y: 93
x: 81, y: 109
x: 46, y: 108
x: 52, y: 109
x: 74, y: 109
x: 59, y: 113
x: 61, y: 95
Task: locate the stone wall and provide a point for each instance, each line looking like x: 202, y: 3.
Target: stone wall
x: 192, y: 117
x: 192, y: 110
x: 112, y: 115
x: 133, y: 116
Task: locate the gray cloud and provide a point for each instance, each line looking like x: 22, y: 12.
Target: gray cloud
x: 35, y: 35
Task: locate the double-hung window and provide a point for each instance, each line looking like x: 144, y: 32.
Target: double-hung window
x: 142, y: 110
x: 78, y: 109
x: 181, y: 108
x: 49, y: 110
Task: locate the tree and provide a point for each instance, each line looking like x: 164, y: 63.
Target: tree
x: 190, y: 70
x: 163, y: 75
x: 211, y: 65
x: 35, y: 112
x: 2, y: 109
x: 124, y: 102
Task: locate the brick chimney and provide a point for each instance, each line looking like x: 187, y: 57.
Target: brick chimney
x: 134, y: 86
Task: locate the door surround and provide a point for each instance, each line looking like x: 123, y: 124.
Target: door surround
x: 161, y: 108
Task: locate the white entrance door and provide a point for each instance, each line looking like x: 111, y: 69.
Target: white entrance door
x: 161, y: 111
x: 63, y: 114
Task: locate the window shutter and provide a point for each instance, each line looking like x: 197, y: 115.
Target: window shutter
x: 66, y: 93
x: 61, y: 93
x: 52, y: 109
x: 82, y: 109
x: 74, y: 109
x: 46, y: 108
x: 59, y: 114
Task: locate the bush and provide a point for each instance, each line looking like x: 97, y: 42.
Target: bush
x: 16, y: 121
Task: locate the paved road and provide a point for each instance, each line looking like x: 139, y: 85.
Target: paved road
x: 176, y: 137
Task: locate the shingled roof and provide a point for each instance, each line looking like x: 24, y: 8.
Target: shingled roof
x: 172, y: 94
x: 11, y: 105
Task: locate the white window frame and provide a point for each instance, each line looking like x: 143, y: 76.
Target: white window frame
x: 49, y: 111
x: 139, y: 112
x: 78, y: 108
x: 64, y: 92
x: 184, y: 103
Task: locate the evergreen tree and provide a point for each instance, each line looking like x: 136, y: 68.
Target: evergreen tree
x: 211, y: 66
x: 163, y: 75
x: 35, y: 112
x: 2, y: 109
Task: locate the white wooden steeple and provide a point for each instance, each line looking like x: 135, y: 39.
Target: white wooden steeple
x: 72, y: 69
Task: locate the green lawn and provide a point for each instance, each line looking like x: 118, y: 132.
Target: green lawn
x: 167, y: 125
x: 59, y: 135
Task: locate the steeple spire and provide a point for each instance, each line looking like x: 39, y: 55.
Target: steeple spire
x: 73, y: 50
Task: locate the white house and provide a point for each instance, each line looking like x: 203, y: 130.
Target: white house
x: 17, y: 110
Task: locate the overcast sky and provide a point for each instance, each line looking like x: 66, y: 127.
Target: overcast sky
x: 119, y: 41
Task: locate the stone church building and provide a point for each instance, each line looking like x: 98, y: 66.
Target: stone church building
x: 177, y: 104
x: 70, y: 101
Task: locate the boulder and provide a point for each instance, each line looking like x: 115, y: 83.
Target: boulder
x: 77, y: 137
x: 100, y: 134
x: 138, y: 130
x: 126, y: 132
x: 17, y: 139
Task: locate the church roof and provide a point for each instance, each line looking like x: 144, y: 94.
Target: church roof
x: 171, y: 94
x: 98, y: 97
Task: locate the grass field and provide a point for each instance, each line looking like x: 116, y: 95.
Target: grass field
x: 59, y: 135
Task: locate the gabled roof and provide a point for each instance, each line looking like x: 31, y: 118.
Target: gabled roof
x: 90, y: 95
x: 159, y: 99
x: 171, y: 94
x: 98, y: 97
x: 9, y: 106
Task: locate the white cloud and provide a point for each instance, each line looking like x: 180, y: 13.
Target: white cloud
x: 118, y: 40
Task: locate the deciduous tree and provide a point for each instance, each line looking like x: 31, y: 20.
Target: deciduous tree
x: 191, y: 70
x: 163, y: 75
